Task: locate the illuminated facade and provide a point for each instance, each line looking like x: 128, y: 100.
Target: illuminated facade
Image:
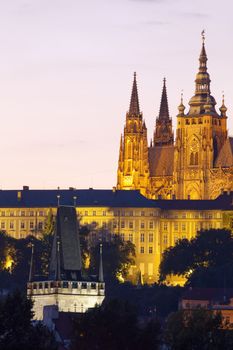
x: 152, y: 225
x: 197, y: 165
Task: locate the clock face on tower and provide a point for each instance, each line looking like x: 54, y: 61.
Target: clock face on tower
x: 128, y: 180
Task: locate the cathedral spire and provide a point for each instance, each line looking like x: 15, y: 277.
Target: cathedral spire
x: 134, y: 108
x: 202, y: 97
x: 164, y: 112
x: 202, y: 79
x: 163, y: 127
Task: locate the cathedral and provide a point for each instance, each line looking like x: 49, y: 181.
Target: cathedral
x: 197, y: 164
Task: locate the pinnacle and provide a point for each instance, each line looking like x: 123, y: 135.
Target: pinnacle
x: 164, y: 112
x: 134, y: 108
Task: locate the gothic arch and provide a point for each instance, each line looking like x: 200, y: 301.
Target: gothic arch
x: 193, y: 191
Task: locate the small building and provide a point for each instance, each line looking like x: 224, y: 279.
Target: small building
x: 65, y: 287
x: 215, y: 299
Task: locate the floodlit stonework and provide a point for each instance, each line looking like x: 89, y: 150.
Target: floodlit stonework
x: 68, y: 296
x: 198, y: 165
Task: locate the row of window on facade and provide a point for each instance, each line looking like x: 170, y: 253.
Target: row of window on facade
x: 23, y: 225
x: 121, y: 224
x: 115, y: 213
x: 143, y: 251
x: 22, y: 213
x: 195, y: 215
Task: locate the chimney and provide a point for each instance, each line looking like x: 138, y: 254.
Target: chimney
x: 25, y: 188
x: 19, y: 196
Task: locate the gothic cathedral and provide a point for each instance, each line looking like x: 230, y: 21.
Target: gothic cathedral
x: 197, y: 165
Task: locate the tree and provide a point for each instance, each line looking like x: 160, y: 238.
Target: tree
x: 114, y: 326
x: 46, y: 242
x: 206, y: 260
x: 118, y: 256
x: 198, y: 329
x: 16, y: 329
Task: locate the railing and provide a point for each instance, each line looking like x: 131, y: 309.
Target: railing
x: 65, y: 287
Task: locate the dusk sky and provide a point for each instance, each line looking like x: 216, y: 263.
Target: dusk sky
x: 66, y: 71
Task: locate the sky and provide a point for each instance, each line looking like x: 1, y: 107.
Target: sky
x: 66, y: 72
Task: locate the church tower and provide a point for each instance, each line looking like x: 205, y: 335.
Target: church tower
x: 133, y: 166
x: 200, y: 136
x: 163, y: 134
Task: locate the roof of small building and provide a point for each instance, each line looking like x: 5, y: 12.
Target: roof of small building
x: 105, y: 198
x: 207, y: 294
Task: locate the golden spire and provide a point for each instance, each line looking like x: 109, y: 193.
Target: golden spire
x: 223, y: 108
x: 181, y: 107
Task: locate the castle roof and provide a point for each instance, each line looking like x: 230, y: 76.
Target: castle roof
x: 106, y: 198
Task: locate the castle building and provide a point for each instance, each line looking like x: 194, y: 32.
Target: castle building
x: 151, y: 225
x: 198, y: 164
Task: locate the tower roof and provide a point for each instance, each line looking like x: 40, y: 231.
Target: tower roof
x: 202, y: 95
x: 65, y: 261
x: 134, y: 108
x: 164, y: 112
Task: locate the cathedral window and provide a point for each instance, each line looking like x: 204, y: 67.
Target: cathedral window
x: 11, y: 225
x: 165, y: 226
x: 122, y: 224
x: 183, y: 227
x: 165, y: 240
x: 194, y: 158
x: 94, y: 213
x: 142, y: 213
x: 150, y: 250
x: 151, y: 237
x: 131, y: 237
x: 142, y: 237
x: 22, y: 225
x: 122, y: 236
x: 142, y: 224
x: 142, y: 250
x: 131, y: 224
x: 176, y: 226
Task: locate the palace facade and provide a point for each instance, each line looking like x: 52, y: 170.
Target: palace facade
x: 198, y: 164
x: 151, y: 225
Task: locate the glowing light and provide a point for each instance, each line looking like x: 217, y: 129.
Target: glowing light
x: 8, y: 263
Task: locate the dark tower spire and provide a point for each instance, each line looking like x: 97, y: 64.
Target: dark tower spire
x: 164, y: 112
x: 31, y: 265
x: 101, y: 272
x: 134, y: 108
x: 163, y: 134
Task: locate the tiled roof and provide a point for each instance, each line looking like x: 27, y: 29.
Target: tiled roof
x: 225, y: 157
x: 161, y: 160
x: 207, y: 293
x: 105, y: 198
